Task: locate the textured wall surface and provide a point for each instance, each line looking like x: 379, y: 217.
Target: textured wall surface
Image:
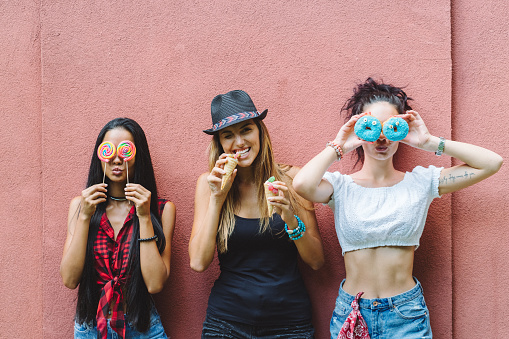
x: 481, y: 213
x: 66, y: 68
x: 21, y: 248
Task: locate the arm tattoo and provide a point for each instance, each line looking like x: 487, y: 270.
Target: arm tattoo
x: 452, y: 178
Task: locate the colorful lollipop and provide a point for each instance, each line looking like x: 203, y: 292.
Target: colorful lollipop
x: 105, y: 152
x: 126, y: 150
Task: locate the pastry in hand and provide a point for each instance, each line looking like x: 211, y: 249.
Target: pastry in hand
x: 395, y: 129
x: 270, y: 191
x: 368, y: 128
x: 231, y: 163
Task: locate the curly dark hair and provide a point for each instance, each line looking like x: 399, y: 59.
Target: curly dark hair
x: 370, y: 92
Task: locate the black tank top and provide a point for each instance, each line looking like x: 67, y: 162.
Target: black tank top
x: 260, y: 282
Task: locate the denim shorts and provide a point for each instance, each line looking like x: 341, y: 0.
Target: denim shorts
x: 155, y: 331
x: 402, y: 316
x: 214, y: 328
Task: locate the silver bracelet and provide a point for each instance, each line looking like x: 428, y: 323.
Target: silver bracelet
x: 440, y: 148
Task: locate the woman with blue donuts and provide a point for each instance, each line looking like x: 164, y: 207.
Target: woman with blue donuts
x: 260, y: 292
x: 380, y: 212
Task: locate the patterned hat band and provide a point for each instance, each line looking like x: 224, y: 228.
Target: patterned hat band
x: 232, y: 108
x: 232, y: 119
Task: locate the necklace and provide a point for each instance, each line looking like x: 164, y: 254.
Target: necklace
x: 118, y: 199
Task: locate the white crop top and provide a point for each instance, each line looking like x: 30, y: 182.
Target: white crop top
x: 382, y: 216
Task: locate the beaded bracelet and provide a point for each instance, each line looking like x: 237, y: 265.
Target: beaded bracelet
x: 337, y: 148
x: 149, y: 239
x: 297, y: 237
x: 298, y: 232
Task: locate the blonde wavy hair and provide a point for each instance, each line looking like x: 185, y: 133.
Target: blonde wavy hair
x: 264, y: 168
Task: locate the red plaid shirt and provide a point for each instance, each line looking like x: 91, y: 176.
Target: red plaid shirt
x: 111, y: 262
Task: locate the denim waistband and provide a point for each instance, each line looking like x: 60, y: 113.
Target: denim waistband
x: 382, y: 303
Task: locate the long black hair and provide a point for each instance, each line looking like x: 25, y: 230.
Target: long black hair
x: 138, y: 299
x: 370, y: 92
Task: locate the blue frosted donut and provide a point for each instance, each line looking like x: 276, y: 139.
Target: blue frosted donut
x: 395, y: 129
x: 368, y: 128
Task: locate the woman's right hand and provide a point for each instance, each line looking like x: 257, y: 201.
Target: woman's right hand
x: 91, y: 197
x: 81, y: 210
x: 346, y: 137
x: 215, y: 177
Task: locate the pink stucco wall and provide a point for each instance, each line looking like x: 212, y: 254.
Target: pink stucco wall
x: 481, y: 213
x: 66, y: 68
x: 21, y: 195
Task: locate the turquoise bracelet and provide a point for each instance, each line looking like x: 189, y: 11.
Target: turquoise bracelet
x: 298, y: 232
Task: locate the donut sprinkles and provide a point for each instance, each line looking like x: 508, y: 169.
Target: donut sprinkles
x: 395, y: 129
x: 368, y: 128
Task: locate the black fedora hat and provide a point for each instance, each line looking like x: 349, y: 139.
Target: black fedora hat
x: 231, y: 108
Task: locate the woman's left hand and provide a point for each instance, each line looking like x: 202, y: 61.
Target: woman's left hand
x: 280, y: 202
x: 418, y: 134
x: 140, y: 196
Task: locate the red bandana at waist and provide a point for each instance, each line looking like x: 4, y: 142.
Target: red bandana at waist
x: 354, y: 326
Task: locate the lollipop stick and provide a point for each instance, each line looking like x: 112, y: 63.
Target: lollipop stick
x: 104, y: 172
x: 127, y: 170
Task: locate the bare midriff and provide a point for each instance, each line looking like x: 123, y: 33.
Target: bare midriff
x: 379, y: 272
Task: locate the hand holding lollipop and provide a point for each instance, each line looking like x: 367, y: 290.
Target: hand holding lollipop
x: 105, y: 152
x: 126, y: 150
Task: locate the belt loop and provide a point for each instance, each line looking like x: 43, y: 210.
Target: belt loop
x: 391, y: 305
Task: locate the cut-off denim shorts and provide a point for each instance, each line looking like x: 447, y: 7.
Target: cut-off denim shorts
x: 155, y: 331
x: 402, y: 316
x: 214, y: 328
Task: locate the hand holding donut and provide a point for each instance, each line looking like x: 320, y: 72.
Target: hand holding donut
x: 140, y: 196
x: 91, y: 197
x: 418, y: 134
x: 346, y: 136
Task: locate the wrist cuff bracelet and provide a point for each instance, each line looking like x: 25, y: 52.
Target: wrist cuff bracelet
x: 440, y: 148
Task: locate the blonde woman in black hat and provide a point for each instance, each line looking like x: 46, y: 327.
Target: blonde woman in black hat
x: 259, y: 293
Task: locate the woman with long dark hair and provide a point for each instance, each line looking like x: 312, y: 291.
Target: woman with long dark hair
x: 118, y: 244
x: 380, y: 212
x: 260, y: 292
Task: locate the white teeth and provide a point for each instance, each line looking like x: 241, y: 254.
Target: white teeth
x: 243, y: 151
